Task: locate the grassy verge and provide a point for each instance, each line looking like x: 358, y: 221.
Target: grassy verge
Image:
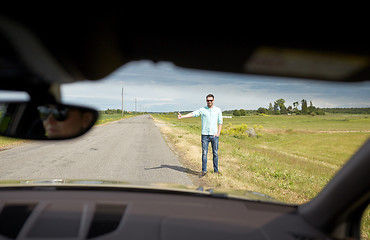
x: 6, y: 142
x: 292, y: 158
x: 106, y: 118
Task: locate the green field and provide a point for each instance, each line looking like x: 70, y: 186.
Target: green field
x: 291, y: 159
x: 301, y: 153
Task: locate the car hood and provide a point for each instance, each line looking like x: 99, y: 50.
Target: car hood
x: 102, y: 185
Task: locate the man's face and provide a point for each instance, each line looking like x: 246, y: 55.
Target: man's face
x: 67, y: 122
x: 209, y: 101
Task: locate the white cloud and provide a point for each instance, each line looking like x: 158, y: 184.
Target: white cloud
x: 164, y: 87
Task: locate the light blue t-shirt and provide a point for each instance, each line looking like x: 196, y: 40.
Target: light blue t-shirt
x: 211, y: 118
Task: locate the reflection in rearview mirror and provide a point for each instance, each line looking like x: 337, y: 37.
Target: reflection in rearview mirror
x: 46, y: 121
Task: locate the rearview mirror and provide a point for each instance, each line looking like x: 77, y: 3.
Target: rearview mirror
x: 28, y: 120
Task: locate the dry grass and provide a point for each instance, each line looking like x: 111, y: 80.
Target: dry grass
x: 6, y: 142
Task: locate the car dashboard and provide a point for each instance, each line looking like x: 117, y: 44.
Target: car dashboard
x: 50, y: 212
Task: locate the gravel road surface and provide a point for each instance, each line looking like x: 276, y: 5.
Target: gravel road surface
x: 131, y: 149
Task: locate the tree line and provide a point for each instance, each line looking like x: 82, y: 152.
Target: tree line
x: 347, y: 110
x: 298, y: 108
x: 277, y: 108
x: 118, y: 111
x: 240, y: 112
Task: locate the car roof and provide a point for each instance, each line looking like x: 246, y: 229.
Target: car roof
x: 93, y: 44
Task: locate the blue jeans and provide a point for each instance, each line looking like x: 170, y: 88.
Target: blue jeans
x: 206, y: 139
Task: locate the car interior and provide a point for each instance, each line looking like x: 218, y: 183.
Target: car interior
x: 37, y: 58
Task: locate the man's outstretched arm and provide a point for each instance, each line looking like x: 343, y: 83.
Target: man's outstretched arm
x: 179, y: 116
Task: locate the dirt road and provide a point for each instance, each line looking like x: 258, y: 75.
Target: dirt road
x: 130, y: 150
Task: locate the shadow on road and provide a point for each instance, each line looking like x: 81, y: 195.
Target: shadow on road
x: 177, y: 168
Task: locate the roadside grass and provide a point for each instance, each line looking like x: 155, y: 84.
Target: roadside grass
x: 6, y: 142
x: 291, y: 159
x: 106, y: 118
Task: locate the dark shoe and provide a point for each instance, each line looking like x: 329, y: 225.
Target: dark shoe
x: 218, y: 173
x: 202, y: 174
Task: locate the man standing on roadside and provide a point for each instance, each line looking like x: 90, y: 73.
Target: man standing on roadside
x: 211, y: 130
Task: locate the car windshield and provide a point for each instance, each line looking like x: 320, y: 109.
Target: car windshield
x: 281, y: 137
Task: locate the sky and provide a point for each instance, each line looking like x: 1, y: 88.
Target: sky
x: 164, y: 87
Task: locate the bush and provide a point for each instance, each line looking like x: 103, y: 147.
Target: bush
x: 262, y: 110
x: 320, y: 111
x: 236, y: 113
x: 238, y: 130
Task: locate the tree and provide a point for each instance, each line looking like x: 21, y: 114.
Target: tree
x: 236, y: 112
x: 109, y: 111
x: 290, y: 108
x: 295, y: 106
x: 311, y: 108
x: 270, y: 109
x: 276, y: 107
x: 279, y: 107
x: 242, y: 112
x: 304, y: 107
x: 283, y: 109
x: 262, y: 110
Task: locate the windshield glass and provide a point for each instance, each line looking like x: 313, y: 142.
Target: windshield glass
x: 281, y: 137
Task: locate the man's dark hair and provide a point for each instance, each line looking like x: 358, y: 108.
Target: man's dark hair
x: 210, y: 95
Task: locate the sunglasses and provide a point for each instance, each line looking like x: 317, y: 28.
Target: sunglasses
x: 209, y: 100
x: 59, y: 114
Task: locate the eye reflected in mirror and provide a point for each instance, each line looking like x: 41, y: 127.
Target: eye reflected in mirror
x: 46, y: 121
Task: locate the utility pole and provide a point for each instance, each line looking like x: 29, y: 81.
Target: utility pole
x: 135, y: 104
x: 122, y: 102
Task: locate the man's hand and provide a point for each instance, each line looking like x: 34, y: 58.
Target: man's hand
x: 179, y: 116
x: 219, y: 130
